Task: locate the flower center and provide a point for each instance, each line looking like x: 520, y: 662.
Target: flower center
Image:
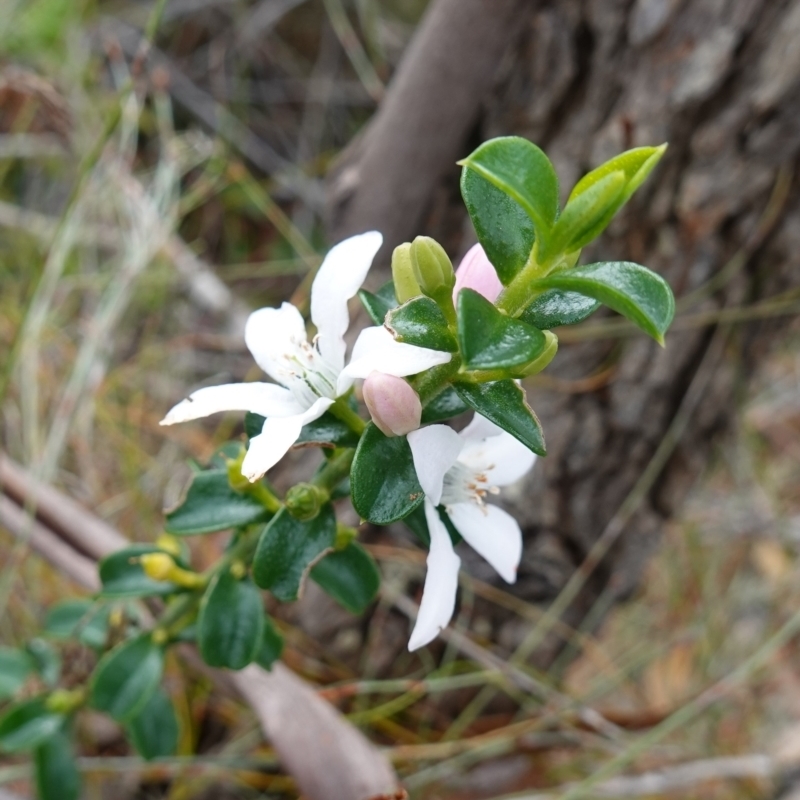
x: 463, y: 484
x: 306, y: 373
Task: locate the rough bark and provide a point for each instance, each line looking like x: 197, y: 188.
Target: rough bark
x: 385, y: 179
x: 719, y: 80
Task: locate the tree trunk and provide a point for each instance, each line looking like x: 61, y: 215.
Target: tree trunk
x: 720, y: 81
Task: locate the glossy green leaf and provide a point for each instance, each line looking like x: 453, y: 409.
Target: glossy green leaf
x: 378, y: 305
x: 231, y: 622
x: 503, y: 227
x: 629, y: 289
x: 126, y: 677
x: 78, y: 619
x: 383, y: 480
x: 555, y: 307
x: 212, y: 505
x: 418, y: 524
x: 578, y: 223
x: 350, y: 576
x: 57, y: 776
x: 27, y: 724
x: 504, y: 403
x: 445, y: 405
x: 15, y: 668
x: 271, y: 647
x: 46, y: 660
x: 522, y: 171
x: 122, y: 575
x: 491, y: 340
x: 421, y: 322
x: 288, y: 548
x: 636, y: 165
x: 154, y: 730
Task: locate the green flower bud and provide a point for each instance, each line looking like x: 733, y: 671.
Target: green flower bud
x: 543, y: 359
x: 432, y: 268
x: 405, y: 282
x: 304, y: 501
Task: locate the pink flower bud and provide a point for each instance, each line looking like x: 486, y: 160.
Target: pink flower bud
x: 477, y: 273
x: 393, y: 404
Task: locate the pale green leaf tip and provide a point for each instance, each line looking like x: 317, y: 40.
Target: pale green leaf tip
x: 660, y: 340
x: 464, y: 162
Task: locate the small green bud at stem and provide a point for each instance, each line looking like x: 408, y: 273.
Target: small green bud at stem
x: 304, y: 501
x: 544, y: 358
x: 344, y: 535
x: 405, y: 281
x: 161, y: 567
x: 432, y: 268
x: 65, y: 701
x: 238, y: 569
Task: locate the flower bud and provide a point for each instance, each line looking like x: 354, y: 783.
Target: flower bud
x: 157, y: 566
x: 432, y: 268
x: 304, y: 501
x: 477, y: 273
x: 405, y: 283
x: 395, y: 407
x: 543, y: 359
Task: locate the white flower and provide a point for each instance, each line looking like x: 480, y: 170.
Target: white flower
x: 458, y: 471
x: 311, y: 374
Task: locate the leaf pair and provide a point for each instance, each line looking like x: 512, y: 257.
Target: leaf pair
x: 511, y: 192
x: 290, y: 549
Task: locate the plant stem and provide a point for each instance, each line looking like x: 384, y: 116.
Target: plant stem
x: 341, y: 410
x: 435, y: 380
x: 336, y: 470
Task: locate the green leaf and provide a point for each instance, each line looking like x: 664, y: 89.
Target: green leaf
x: 57, y: 776
x: 418, y: 524
x: 522, y: 171
x: 504, y: 403
x: 271, y: 646
x: 27, y: 724
x: 445, y: 405
x: 154, y: 730
x: 383, y: 480
x: 421, y: 322
x: 212, y: 505
x: 491, y: 340
x: 379, y: 304
x: 253, y: 424
x: 588, y: 213
x: 46, y: 660
x: 122, y: 575
x: 231, y: 622
x: 503, y: 227
x: 629, y: 289
x: 15, y: 668
x: 555, y: 307
x: 636, y: 165
x: 350, y: 576
x: 126, y: 677
x: 78, y: 619
x: 288, y: 548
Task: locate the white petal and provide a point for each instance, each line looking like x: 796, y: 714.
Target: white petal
x: 491, y: 532
x: 480, y: 428
x: 271, y: 334
x: 503, y: 459
x: 441, y: 582
x: 376, y: 349
x: 434, y: 449
x: 339, y: 278
x: 266, y: 399
x: 275, y: 439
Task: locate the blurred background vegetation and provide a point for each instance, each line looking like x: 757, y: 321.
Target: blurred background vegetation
x: 147, y: 202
